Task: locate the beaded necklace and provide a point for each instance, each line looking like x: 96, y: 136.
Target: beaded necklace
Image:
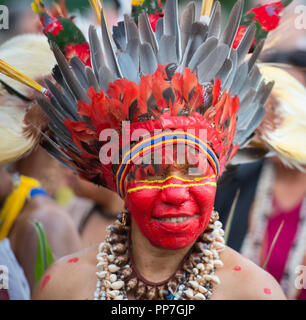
x: 117, y: 276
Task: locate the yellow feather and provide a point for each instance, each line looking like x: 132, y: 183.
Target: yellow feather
x: 206, y: 7
x: 288, y: 139
x: 14, y: 204
x: 32, y: 56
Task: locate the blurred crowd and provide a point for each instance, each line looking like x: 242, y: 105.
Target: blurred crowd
x: 271, y: 203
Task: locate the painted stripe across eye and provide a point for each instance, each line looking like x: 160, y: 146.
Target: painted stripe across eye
x: 163, y: 138
x: 172, y: 185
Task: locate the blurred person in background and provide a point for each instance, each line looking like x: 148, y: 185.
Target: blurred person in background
x: 23, y: 199
x: 269, y: 222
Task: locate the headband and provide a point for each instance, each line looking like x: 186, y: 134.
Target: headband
x: 159, y: 140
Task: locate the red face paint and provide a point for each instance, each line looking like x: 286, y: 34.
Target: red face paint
x: 45, y: 281
x: 155, y: 193
x: 237, y: 268
x: 73, y: 260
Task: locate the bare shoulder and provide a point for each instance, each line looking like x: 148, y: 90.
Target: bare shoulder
x: 72, y: 277
x: 241, y: 279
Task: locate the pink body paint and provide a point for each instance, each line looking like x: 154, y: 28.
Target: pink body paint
x: 237, y: 268
x: 45, y: 281
x: 73, y: 260
x: 267, y: 291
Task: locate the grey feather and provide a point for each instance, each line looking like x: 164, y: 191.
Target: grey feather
x: 96, y: 53
x: 131, y: 29
x: 67, y: 109
x: 255, y: 77
x: 240, y: 79
x: 245, y: 102
x: 214, y: 28
x: 167, y: 53
x: 170, y: 20
x: 71, y: 80
x: 119, y: 36
x: 146, y: 32
x: 108, y: 50
x: 91, y: 78
x: 148, y: 62
x: 78, y: 68
x: 208, y: 69
x: 197, y: 37
x: 225, y: 70
x: 246, y: 118
x: 132, y: 49
x: 186, y: 21
x: 231, y: 28
x: 230, y: 78
x: 127, y: 67
x: 202, y: 52
x: 58, y: 77
x: 245, y: 44
x: 54, y: 115
x: 159, y: 29
x: 105, y: 77
x: 256, y: 53
x: 267, y: 91
x: 256, y: 120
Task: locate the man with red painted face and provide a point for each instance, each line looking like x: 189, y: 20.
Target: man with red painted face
x: 169, y: 210
x: 173, y: 85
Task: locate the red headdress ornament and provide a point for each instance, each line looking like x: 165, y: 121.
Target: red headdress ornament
x: 183, y: 76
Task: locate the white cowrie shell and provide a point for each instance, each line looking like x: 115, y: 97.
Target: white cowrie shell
x: 113, y: 278
x: 117, y: 285
x: 199, y: 296
x: 113, y: 268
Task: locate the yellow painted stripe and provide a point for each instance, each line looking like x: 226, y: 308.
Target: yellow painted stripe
x: 173, y: 185
x: 178, y: 178
x: 211, y: 160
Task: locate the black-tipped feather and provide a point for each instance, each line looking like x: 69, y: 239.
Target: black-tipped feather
x: 202, y: 52
x: 119, y: 36
x: 186, y: 21
x: 148, y: 61
x: 145, y: 31
x: 108, y: 50
x: 170, y: 20
x: 69, y: 77
x: 78, y: 68
x: 167, y: 53
x: 231, y: 28
x: 208, y: 69
x: 255, y: 55
x: 245, y: 44
x: 67, y: 109
x: 96, y: 53
x: 128, y: 67
x: 91, y: 78
x: 105, y: 77
x: 214, y: 28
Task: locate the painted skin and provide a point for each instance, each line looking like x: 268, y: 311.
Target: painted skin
x: 156, y: 198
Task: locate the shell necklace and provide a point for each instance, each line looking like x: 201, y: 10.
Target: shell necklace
x: 194, y: 280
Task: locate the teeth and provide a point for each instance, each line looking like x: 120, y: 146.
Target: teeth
x: 176, y: 220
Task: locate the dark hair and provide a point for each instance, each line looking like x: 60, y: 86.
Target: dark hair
x: 294, y: 57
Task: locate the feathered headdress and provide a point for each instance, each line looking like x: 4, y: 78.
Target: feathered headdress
x: 184, y: 75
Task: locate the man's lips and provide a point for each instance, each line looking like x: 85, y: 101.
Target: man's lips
x: 177, y: 225
x: 175, y: 219
x: 174, y: 214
